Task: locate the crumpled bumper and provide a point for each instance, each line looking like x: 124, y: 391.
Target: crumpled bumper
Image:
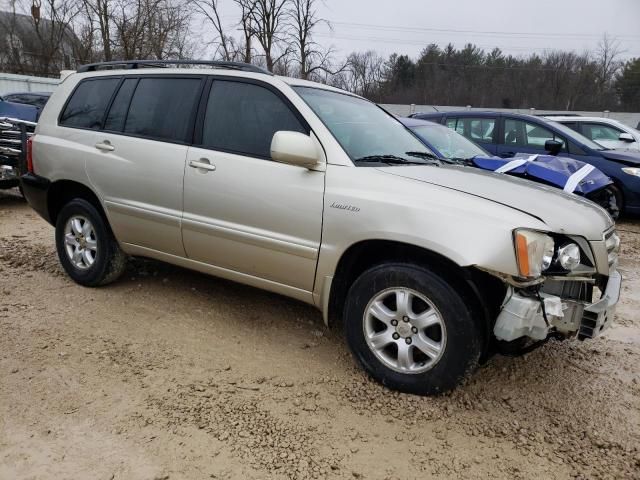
x: 599, y: 315
x: 522, y: 315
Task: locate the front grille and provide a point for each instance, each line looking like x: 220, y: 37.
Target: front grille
x: 612, y: 243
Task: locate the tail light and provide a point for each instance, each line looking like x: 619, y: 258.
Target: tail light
x: 30, y: 154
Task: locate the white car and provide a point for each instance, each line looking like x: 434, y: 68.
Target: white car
x: 609, y: 133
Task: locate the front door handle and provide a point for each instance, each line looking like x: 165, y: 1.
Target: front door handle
x: 202, y: 164
x: 507, y: 154
x: 105, y: 146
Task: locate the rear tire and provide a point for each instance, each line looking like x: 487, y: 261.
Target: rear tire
x: 87, y: 249
x: 397, y: 308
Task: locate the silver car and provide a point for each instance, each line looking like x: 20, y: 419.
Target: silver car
x: 320, y: 195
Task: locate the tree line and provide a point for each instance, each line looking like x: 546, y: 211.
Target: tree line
x: 42, y: 37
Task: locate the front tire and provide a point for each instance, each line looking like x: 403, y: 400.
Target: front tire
x: 611, y: 199
x: 410, y: 330
x: 87, y: 249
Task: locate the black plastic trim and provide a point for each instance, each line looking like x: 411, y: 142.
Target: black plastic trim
x: 36, y: 191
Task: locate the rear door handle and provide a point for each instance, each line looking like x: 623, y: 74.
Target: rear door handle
x: 202, y: 164
x: 105, y: 146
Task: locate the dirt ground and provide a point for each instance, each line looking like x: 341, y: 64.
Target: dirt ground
x: 170, y: 374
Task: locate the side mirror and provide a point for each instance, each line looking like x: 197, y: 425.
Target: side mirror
x: 626, y: 137
x: 553, y: 147
x: 294, y: 148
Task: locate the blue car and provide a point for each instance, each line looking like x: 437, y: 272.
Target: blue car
x: 505, y: 134
x: 568, y: 174
x: 18, y: 111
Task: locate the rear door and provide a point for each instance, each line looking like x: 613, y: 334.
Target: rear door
x: 480, y: 130
x: 244, y: 212
x: 136, y: 161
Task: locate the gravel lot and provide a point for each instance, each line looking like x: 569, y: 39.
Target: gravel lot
x: 169, y: 374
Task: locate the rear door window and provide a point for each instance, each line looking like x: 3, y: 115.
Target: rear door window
x: 478, y: 130
x: 87, y: 105
x: 118, y: 111
x: 243, y: 117
x: 163, y: 108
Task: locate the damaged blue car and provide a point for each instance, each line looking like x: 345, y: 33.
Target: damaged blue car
x: 568, y: 174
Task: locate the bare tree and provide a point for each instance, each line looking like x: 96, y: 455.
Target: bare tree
x: 101, y: 10
x: 363, y: 74
x: 246, y: 21
x: 50, y: 46
x: 608, y: 59
x: 303, y: 20
x: 209, y: 9
x: 150, y: 29
x: 267, y: 21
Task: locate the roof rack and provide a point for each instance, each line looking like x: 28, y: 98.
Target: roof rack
x: 133, y: 64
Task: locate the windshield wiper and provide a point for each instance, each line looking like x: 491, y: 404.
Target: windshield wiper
x: 424, y: 155
x: 390, y: 160
x: 462, y: 160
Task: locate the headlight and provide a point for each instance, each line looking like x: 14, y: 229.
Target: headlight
x: 569, y: 256
x: 632, y: 171
x: 534, y: 252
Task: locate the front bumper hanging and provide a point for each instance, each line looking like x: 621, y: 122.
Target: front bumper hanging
x: 537, y: 317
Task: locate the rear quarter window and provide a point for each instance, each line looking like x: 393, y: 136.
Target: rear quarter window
x: 88, y: 102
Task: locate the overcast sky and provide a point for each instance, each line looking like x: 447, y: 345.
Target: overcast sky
x: 516, y: 26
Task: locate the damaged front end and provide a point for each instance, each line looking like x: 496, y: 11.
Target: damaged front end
x: 573, y: 294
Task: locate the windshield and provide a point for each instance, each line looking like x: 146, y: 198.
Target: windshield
x: 448, y: 142
x: 364, y: 130
x: 572, y: 134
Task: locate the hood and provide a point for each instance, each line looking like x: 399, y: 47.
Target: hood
x: 562, y: 212
x: 628, y: 157
x: 19, y: 111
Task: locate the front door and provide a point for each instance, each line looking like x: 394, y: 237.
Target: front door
x: 606, y: 135
x: 521, y: 136
x: 244, y: 212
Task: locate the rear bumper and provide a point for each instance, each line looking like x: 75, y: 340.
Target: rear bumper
x: 36, y: 191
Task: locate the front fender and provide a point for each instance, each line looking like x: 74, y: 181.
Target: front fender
x: 364, y: 204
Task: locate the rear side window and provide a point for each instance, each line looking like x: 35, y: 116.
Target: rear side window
x: 478, y: 130
x: 87, y: 105
x: 243, y: 117
x: 161, y: 108
x: 118, y: 111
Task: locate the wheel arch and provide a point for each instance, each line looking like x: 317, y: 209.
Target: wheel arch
x: 482, y: 292
x: 62, y: 192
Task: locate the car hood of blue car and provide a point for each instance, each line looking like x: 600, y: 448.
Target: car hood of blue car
x: 19, y: 111
x: 622, y: 156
